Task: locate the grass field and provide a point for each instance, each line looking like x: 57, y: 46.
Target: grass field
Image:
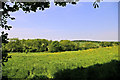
x: 26, y: 66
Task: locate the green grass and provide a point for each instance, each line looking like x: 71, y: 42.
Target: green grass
x: 23, y: 65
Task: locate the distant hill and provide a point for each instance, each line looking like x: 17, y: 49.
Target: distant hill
x: 85, y: 41
x: 92, y: 41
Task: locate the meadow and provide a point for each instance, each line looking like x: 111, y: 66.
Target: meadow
x: 62, y: 65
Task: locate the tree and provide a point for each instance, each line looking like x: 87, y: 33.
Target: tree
x: 105, y: 44
x: 3, y: 39
x: 40, y: 45
x: 67, y: 45
x: 14, y: 45
x: 77, y: 46
x: 88, y: 45
x: 44, y: 45
x: 54, y: 46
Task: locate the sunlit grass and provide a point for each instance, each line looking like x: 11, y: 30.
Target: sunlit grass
x: 49, y: 63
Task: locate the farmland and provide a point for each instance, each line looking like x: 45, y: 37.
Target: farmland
x: 62, y: 65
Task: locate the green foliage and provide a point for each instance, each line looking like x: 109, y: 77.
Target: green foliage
x: 54, y: 46
x: 46, y: 65
x: 67, y: 45
x: 89, y: 45
x: 43, y: 45
x: 3, y: 50
x: 3, y: 37
x: 14, y: 45
x: 95, y: 4
x: 77, y: 46
x: 106, y: 44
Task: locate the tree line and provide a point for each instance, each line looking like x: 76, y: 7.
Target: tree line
x: 42, y: 45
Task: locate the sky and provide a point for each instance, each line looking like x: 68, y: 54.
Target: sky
x: 73, y: 22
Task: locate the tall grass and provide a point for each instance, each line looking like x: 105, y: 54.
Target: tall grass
x: 47, y: 64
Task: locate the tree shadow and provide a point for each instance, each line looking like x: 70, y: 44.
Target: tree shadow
x: 107, y: 71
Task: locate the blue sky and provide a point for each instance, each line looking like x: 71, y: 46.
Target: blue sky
x: 72, y: 22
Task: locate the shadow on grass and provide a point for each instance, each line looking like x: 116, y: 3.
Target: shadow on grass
x: 107, y: 71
